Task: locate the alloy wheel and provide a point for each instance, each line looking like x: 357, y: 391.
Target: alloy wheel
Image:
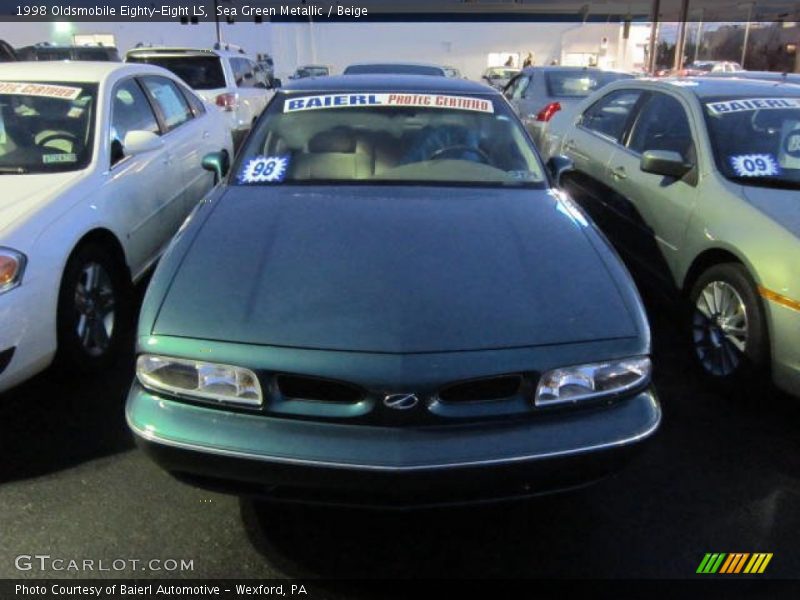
x: 95, y: 307
x: 719, y: 328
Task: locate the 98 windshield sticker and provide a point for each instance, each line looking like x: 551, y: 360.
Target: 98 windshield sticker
x: 40, y: 89
x: 742, y: 105
x: 264, y: 169
x: 394, y: 100
x: 754, y: 165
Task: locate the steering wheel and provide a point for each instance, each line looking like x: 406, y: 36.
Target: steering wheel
x: 60, y: 135
x: 763, y: 128
x: 460, y: 149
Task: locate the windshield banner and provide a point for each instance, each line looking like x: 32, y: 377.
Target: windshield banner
x: 396, y: 99
x: 39, y: 89
x: 741, y: 105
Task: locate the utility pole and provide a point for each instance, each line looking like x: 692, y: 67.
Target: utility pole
x: 653, y: 38
x: 680, y: 43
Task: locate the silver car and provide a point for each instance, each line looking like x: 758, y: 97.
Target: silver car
x: 538, y: 93
x: 696, y: 183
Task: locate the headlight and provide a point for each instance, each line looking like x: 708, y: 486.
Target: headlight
x: 584, y: 382
x: 12, y: 265
x: 196, y: 379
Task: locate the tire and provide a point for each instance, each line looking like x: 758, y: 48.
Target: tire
x: 91, y: 327
x: 727, y: 327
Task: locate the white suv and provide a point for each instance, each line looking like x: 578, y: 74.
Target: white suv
x: 224, y: 76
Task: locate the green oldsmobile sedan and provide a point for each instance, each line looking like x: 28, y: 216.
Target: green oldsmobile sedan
x: 387, y: 302
x: 696, y: 181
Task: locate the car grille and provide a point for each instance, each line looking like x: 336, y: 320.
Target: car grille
x: 312, y: 388
x: 476, y: 390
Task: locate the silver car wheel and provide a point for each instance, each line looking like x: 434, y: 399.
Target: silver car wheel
x: 719, y: 328
x: 95, y: 308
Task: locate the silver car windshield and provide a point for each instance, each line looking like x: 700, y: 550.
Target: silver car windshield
x: 384, y: 138
x: 756, y: 140
x: 45, y: 127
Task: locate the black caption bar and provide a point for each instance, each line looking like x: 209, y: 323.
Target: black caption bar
x: 405, y: 589
x: 543, y: 11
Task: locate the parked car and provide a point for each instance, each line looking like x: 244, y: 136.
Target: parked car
x: 452, y: 72
x: 498, y: 77
x: 99, y: 166
x: 311, y: 71
x: 395, y: 68
x: 760, y: 75
x: 696, y: 182
x: 538, y: 93
x: 701, y: 68
x: 47, y: 51
x: 267, y: 64
x: 223, y: 76
x: 386, y: 303
x: 7, y: 53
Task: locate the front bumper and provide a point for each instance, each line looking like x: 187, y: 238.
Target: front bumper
x: 336, y: 463
x: 27, y: 333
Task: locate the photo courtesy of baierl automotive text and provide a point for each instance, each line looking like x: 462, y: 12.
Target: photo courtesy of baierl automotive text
x: 319, y: 300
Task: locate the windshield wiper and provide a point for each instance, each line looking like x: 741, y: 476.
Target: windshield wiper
x: 13, y: 170
x: 772, y: 182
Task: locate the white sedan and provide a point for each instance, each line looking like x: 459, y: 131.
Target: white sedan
x: 100, y: 163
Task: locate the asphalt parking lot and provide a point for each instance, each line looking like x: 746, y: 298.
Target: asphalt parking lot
x: 720, y: 476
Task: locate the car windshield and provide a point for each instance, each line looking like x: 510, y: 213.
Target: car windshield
x: 408, y: 138
x: 392, y: 69
x: 200, y: 72
x: 578, y: 84
x: 502, y: 73
x: 312, y: 71
x: 756, y: 140
x: 45, y: 127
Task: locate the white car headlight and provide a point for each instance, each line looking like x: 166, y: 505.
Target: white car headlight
x: 197, y: 379
x: 12, y: 265
x: 584, y: 382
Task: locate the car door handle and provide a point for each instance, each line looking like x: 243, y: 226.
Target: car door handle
x: 619, y: 173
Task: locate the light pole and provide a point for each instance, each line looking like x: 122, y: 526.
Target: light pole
x: 746, y: 30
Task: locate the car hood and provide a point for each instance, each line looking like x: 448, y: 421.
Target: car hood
x: 781, y: 205
x: 24, y: 195
x: 393, y: 269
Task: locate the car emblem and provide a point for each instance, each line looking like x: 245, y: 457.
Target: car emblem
x: 401, y: 401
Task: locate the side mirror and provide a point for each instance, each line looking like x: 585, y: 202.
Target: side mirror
x: 557, y: 166
x: 139, y: 142
x: 218, y: 163
x: 664, y: 162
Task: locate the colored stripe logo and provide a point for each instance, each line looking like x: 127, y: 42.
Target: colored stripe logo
x: 734, y: 563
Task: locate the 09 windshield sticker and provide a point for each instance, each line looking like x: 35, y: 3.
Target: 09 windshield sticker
x: 467, y: 103
x: 265, y: 169
x: 754, y: 165
x: 745, y: 104
x: 40, y: 89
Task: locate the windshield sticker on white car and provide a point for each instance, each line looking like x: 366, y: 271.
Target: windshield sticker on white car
x: 742, y: 105
x: 392, y: 100
x: 39, y: 89
x: 265, y: 169
x: 50, y: 159
x: 754, y: 165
